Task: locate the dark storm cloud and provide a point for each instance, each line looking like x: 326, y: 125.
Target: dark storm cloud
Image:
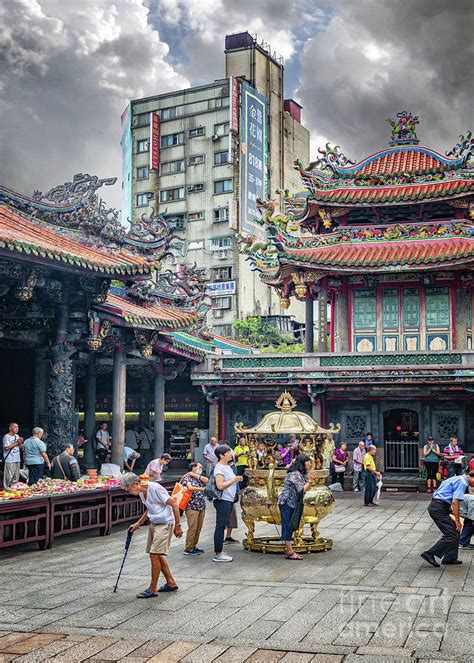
x: 377, y: 57
x: 67, y: 71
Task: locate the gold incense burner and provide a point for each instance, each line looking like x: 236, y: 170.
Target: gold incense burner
x: 259, y: 499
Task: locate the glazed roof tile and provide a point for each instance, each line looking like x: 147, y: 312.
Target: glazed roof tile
x: 20, y: 234
x: 406, y: 159
x: 157, y: 316
x: 396, y: 254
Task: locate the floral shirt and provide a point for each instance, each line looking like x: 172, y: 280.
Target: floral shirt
x: 197, y: 501
x: 293, y: 486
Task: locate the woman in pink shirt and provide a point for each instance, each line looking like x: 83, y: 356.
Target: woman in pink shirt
x: 155, y: 467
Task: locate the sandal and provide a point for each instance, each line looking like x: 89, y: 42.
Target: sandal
x: 146, y: 594
x: 293, y: 556
x: 168, y: 588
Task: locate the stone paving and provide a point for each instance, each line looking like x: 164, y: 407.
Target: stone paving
x: 371, y: 598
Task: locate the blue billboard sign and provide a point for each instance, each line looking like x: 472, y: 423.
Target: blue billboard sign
x: 253, y: 157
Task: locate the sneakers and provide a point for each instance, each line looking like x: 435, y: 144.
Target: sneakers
x: 229, y: 539
x: 452, y: 561
x: 191, y: 552
x: 355, y: 490
x: 222, y: 558
x: 198, y: 550
x: 468, y: 546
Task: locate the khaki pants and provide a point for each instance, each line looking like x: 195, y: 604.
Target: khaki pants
x: 195, y: 520
x: 11, y: 474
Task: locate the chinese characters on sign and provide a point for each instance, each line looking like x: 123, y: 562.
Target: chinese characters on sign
x: 154, y: 141
x: 234, y: 104
x: 221, y: 288
x: 253, y: 157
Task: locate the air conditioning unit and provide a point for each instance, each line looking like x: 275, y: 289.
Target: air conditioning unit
x: 215, y: 137
x: 218, y: 313
x: 222, y: 254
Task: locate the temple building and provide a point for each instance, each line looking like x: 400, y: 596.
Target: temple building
x: 89, y: 320
x: 383, y: 249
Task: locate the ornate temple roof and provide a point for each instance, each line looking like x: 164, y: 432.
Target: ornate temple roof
x: 157, y: 316
x: 316, y: 232
x: 403, y: 173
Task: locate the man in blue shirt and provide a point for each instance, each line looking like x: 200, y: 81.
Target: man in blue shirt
x: 34, y: 450
x: 446, y: 501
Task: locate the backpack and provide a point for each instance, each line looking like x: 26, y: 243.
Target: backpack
x: 211, y: 491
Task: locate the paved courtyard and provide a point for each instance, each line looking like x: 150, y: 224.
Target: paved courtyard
x: 371, y: 598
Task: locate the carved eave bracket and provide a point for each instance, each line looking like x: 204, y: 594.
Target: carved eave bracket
x: 98, y: 331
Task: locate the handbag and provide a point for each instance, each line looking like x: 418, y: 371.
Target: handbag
x: 211, y: 491
x: 339, y: 468
x: 181, y: 494
x: 295, y: 519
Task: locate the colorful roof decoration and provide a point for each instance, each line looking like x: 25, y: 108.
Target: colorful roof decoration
x: 156, y: 316
x: 317, y: 232
x: 215, y: 345
x: 71, y: 224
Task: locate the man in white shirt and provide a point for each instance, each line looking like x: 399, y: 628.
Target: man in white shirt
x: 210, y: 456
x: 147, y: 439
x: 358, y: 455
x: 12, y: 443
x: 163, y: 512
x: 130, y: 456
x: 102, y: 438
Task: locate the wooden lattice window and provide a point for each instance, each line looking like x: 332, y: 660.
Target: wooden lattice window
x: 437, y: 307
x: 411, y: 308
x: 365, y: 309
x: 390, y: 308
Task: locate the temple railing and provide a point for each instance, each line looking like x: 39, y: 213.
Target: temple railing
x: 454, y: 364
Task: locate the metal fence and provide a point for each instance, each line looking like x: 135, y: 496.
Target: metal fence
x: 402, y: 455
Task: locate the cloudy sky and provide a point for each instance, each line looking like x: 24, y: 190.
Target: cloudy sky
x: 68, y: 68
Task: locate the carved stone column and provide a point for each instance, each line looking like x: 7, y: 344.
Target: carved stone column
x: 119, y: 389
x: 159, y: 407
x: 40, y: 402
x: 144, y: 408
x: 89, y: 412
x: 309, y: 324
x: 60, y: 421
x: 213, y: 418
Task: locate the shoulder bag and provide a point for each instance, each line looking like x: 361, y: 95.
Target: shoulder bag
x: 211, y: 491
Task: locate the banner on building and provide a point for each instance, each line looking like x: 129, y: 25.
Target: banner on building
x: 221, y: 288
x: 253, y: 157
x: 233, y: 219
x: 126, y: 147
x: 154, y: 141
x: 234, y: 105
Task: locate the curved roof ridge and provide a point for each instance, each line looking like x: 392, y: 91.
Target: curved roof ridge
x: 400, y: 149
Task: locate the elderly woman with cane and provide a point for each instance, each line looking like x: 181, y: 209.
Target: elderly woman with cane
x: 298, y: 481
x: 163, y: 513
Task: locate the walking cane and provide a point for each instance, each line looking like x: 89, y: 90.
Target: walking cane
x: 127, y: 546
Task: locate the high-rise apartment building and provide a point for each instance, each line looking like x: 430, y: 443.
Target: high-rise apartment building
x: 202, y: 156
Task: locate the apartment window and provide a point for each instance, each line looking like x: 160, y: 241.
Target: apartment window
x: 196, y: 216
x: 172, y: 139
x: 142, y: 145
x: 221, y: 129
x: 167, y: 113
x: 195, y: 188
x: 221, y: 214
x: 169, y: 195
x: 170, y: 167
x: 223, y: 186
x: 221, y: 158
x: 223, y: 330
x: 142, y: 173
x: 142, y: 199
x: 221, y: 243
x: 197, y: 131
x: 222, y: 302
x: 221, y: 102
x: 196, y: 159
x: 221, y: 273
x: 142, y: 119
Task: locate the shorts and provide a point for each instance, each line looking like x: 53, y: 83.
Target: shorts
x: 159, y: 539
x: 232, y: 522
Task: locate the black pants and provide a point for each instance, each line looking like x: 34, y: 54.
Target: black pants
x: 337, y: 476
x: 370, y: 487
x: 447, y: 546
x: 101, y: 456
x: 223, y: 509
x: 35, y: 472
x: 431, y: 469
x: 240, y: 472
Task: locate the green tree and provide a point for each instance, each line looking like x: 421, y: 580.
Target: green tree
x: 260, y: 334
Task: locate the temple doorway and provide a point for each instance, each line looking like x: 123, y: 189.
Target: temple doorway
x: 401, y: 435
x: 17, y: 380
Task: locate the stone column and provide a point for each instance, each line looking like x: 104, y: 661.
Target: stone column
x: 213, y: 418
x: 144, y: 408
x: 159, y: 407
x: 119, y: 392
x: 316, y: 409
x: 461, y: 318
x: 309, y: 324
x: 322, y: 318
x: 40, y: 400
x: 60, y: 421
x: 341, y: 332
x: 89, y: 412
